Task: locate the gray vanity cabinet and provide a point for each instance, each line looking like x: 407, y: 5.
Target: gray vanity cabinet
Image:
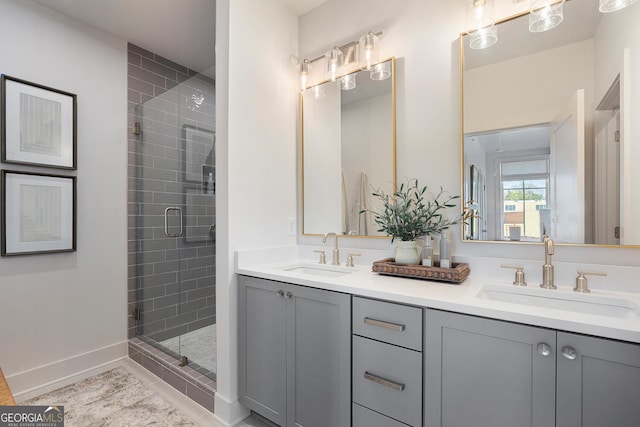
x: 387, y: 364
x: 482, y: 372
x: 598, y: 382
x: 294, y: 353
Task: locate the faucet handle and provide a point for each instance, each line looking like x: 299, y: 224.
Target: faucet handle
x: 519, y: 277
x: 582, y: 284
x: 323, y: 257
x: 350, y: 259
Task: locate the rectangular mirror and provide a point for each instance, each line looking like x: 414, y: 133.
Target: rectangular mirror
x: 546, y: 130
x: 348, y: 147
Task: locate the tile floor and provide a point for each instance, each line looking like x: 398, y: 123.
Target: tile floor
x: 199, y: 346
x: 128, y: 395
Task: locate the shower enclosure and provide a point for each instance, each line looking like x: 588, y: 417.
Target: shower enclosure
x: 172, y: 215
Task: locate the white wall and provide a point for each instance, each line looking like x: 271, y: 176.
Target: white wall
x: 423, y: 35
x: 366, y: 134
x: 322, y: 142
x: 610, y: 44
x: 63, y: 313
x: 517, y: 99
x: 256, y: 116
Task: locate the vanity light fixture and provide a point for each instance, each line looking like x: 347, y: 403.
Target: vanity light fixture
x: 368, y: 52
x: 339, y: 60
x: 381, y: 71
x: 607, y: 6
x: 347, y: 82
x: 483, y: 37
x: 304, y: 73
x: 318, y: 91
x: 333, y: 63
x: 545, y: 15
x: 483, y: 32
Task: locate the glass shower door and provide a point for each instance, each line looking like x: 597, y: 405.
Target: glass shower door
x: 175, y: 192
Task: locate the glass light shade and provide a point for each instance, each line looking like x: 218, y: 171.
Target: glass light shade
x: 368, y: 51
x: 607, y: 6
x: 483, y: 37
x: 347, y: 82
x: 545, y: 15
x: 318, y: 91
x: 381, y: 71
x: 333, y: 61
x: 304, y: 73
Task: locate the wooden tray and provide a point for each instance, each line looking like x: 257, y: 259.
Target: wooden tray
x: 455, y: 275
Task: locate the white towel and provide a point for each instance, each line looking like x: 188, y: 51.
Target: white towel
x: 362, y: 202
x: 345, y: 208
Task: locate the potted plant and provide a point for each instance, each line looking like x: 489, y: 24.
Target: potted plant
x: 408, y: 214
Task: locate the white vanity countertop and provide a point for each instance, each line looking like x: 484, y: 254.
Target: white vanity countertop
x: 461, y: 298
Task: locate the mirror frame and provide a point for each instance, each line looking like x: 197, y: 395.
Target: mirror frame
x: 463, y: 203
x: 393, y: 142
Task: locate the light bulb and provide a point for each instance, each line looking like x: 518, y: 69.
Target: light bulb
x: 367, y: 51
x: 304, y: 73
x: 333, y: 59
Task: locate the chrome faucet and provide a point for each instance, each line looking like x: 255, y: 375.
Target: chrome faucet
x: 336, y: 252
x: 547, y: 268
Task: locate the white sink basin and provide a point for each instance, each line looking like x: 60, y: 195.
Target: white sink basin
x: 321, y: 270
x: 559, y: 300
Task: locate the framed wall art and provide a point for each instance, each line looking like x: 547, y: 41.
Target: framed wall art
x: 38, y: 213
x: 38, y: 124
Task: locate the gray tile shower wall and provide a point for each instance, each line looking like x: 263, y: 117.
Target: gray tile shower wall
x: 171, y: 280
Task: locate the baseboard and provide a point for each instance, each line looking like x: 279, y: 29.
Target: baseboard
x: 40, y: 380
x: 229, y: 413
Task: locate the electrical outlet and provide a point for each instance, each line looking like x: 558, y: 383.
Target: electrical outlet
x: 291, y: 226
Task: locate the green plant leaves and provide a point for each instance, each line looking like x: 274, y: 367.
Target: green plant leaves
x: 407, y: 215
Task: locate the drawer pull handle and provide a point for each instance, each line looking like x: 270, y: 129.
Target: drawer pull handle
x: 382, y: 324
x: 383, y: 381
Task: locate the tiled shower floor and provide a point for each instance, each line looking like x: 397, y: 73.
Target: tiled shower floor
x: 199, y: 346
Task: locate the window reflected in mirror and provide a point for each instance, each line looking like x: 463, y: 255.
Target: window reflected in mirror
x: 547, y: 135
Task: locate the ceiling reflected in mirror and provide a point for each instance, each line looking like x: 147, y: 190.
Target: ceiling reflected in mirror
x: 559, y: 99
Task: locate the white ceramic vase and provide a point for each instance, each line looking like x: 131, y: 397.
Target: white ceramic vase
x: 407, y: 253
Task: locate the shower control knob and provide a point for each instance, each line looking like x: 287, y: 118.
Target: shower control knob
x: 280, y: 292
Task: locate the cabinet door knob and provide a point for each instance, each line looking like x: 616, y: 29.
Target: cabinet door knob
x: 569, y: 353
x: 544, y: 349
x: 287, y: 295
x: 280, y: 292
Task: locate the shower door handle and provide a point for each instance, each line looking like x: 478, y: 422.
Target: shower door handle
x: 166, y: 221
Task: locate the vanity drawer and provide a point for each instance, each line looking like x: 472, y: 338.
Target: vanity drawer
x: 388, y: 379
x: 365, y: 417
x: 389, y: 322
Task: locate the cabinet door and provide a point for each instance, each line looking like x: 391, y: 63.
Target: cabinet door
x: 261, y: 347
x: 487, y: 373
x: 598, y: 382
x: 318, y: 358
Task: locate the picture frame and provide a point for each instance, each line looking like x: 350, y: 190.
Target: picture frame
x: 198, y: 152
x: 39, y: 124
x: 38, y: 213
